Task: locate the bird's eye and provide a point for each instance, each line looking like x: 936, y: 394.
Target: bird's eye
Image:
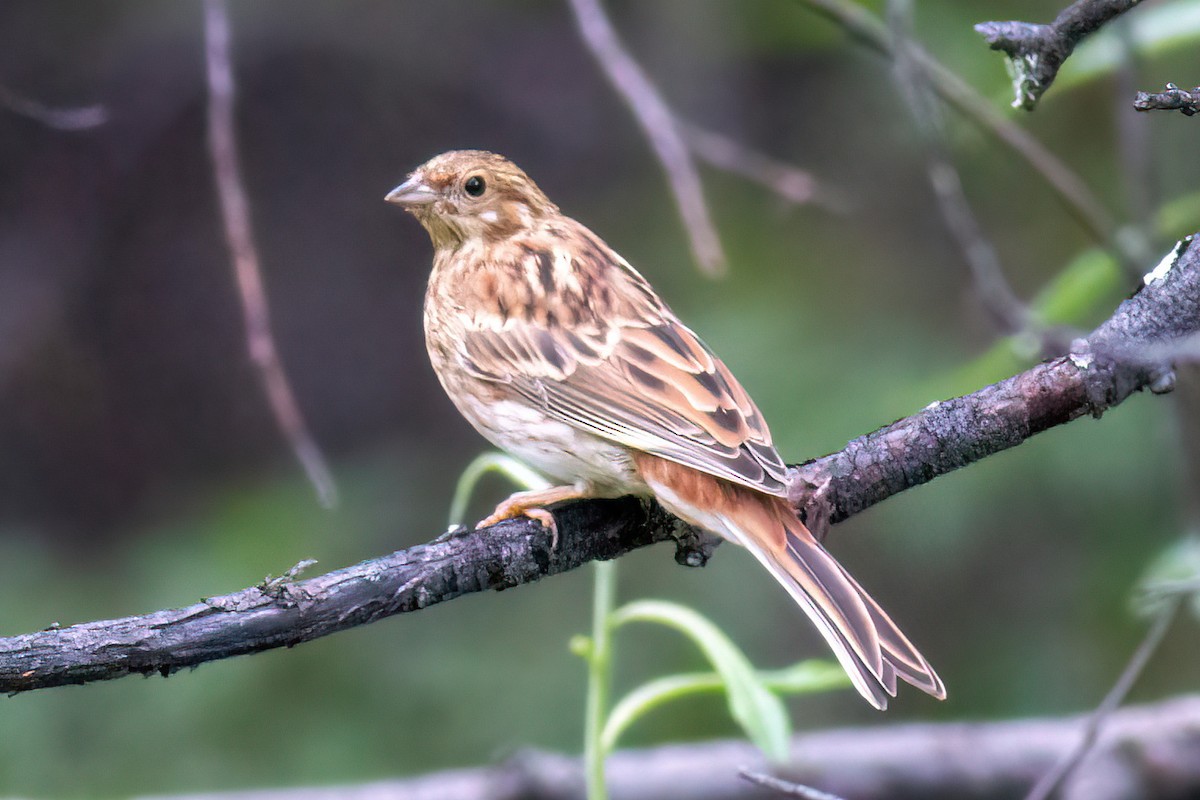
x: 474, y: 185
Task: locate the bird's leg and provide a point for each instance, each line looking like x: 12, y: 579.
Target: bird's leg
x: 530, y: 504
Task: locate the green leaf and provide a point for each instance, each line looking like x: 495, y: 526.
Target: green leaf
x: 1088, y: 284
x: 1179, y: 216
x: 1175, y: 571
x: 802, y: 678
x: 807, y: 677
x: 651, y: 695
x: 759, y: 713
x: 1079, y: 289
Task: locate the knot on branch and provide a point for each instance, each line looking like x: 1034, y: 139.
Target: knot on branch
x: 811, y: 497
x: 1036, y: 52
x: 1138, y: 346
x: 1034, y: 56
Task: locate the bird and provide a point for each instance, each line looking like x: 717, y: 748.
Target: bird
x: 559, y: 352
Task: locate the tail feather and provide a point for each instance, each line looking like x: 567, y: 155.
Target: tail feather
x: 901, y: 656
x: 874, y: 680
x: 878, y: 651
x: 867, y: 643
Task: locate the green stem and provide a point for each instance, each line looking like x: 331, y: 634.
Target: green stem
x: 487, y: 462
x: 599, y: 679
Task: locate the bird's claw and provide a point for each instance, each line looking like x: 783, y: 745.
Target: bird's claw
x: 540, y: 515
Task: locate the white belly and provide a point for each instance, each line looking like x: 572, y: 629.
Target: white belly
x: 562, y: 452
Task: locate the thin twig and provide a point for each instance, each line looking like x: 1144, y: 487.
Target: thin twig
x: 63, y: 119
x: 785, y: 788
x: 792, y: 184
x: 1075, y: 195
x: 1171, y: 99
x: 993, y: 288
x: 235, y: 211
x: 658, y: 123
x: 1036, y: 52
x: 1050, y: 782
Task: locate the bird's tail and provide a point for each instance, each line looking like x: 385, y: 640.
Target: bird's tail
x: 868, y: 644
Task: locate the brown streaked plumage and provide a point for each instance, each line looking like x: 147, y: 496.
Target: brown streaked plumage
x: 559, y: 352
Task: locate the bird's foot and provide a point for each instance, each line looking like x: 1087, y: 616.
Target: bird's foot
x: 530, y: 504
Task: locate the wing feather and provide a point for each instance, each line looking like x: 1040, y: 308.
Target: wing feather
x: 628, y: 371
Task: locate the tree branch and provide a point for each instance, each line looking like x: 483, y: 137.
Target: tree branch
x: 994, y: 291
x: 1036, y: 52
x: 674, y: 140
x: 1185, y: 100
x: 1150, y: 750
x: 658, y: 123
x: 80, y: 118
x: 1049, y: 783
x: 791, y: 184
x: 1072, y: 191
x: 1127, y: 353
x: 282, y: 613
x: 235, y: 214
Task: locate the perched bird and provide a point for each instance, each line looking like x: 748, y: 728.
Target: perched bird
x: 559, y: 352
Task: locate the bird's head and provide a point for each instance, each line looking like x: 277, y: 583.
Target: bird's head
x: 467, y: 194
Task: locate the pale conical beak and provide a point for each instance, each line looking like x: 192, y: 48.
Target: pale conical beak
x: 413, y: 192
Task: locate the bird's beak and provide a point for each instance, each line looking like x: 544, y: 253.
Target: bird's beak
x: 413, y: 192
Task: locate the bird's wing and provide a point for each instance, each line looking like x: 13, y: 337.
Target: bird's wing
x: 607, y: 356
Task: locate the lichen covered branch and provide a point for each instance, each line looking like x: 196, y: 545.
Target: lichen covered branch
x: 1037, y: 52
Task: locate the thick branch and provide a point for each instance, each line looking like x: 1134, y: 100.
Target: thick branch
x: 1100, y: 373
x: 943, y: 437
x: 1036, y: 52
x: 1123, y: 355
x: 282, y: 613
x: 1147, y: 751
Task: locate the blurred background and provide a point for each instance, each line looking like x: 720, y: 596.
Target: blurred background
x: 140, y: 467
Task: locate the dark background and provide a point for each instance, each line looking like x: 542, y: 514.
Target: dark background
x: 140, y: 467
